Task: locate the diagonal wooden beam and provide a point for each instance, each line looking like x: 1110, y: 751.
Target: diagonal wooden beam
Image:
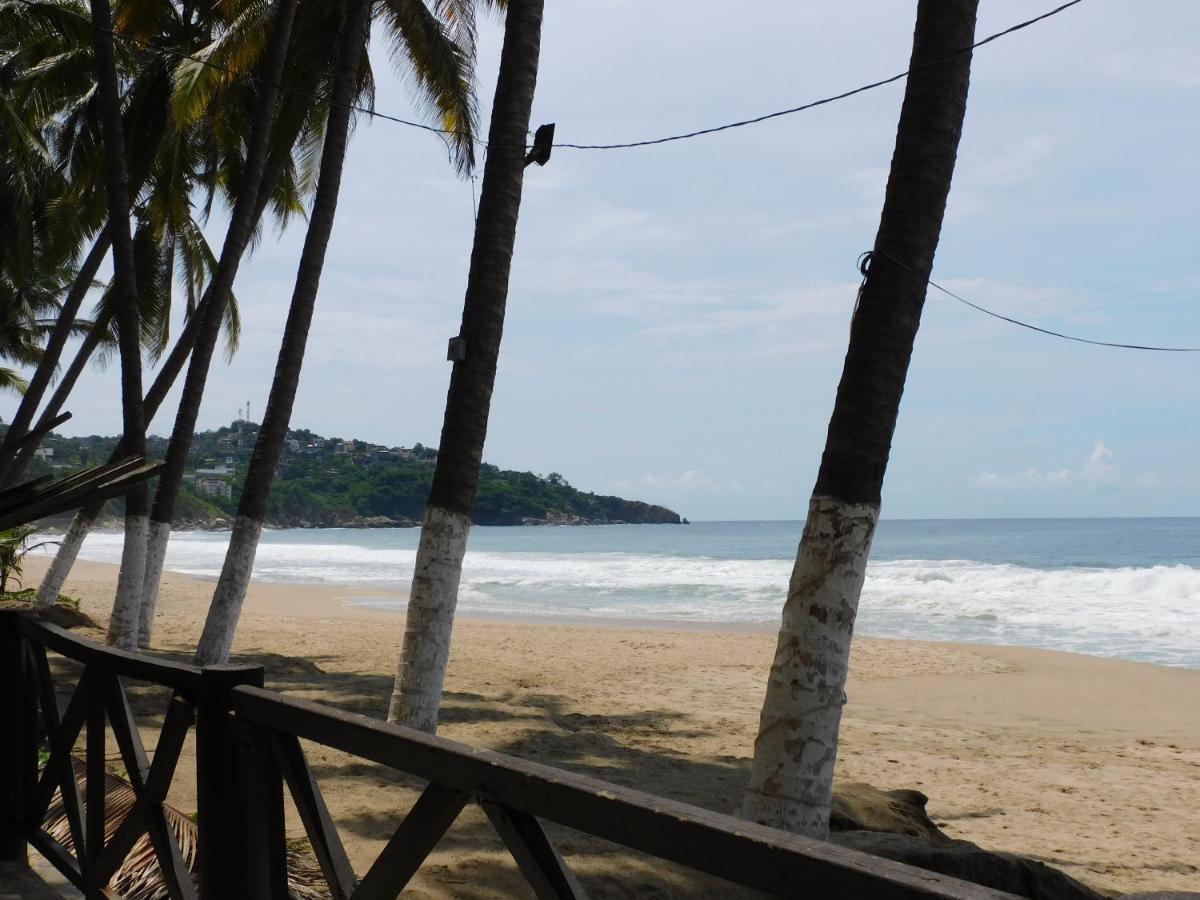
x: 539, y: 862
x: 59, y: 857
x: 422, y: 829
x: 58, y: 767
x: 180, y: 716
x: 318, y: 824
x: 175, y: 872
x: 61, y: 745
x: 179, y: 719
x: 125, y: 730
x: 94, y: 778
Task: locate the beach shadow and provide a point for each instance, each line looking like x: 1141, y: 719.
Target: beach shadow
x: 471, y: 862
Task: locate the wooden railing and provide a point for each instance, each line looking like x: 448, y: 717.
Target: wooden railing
x: 248, y: 748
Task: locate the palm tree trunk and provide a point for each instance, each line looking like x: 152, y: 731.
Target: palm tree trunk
x: 237, y: 238
x: 65, y: 385
x: 221, y: 622
x: 52, y: 353
x: 791, y: 780
x: 122, y: 625
x: 421, y: 671
x: 81, y: 524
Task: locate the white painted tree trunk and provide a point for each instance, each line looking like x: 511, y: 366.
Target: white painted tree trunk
x: 219, y: 627
x: 156, y: 554
x: 417, y: 693
x: 791, y: 783
x: 64, y: 559
x: 123, y: 621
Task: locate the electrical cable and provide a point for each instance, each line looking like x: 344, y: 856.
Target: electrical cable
x: 864, y: 267
x: 614, y: 146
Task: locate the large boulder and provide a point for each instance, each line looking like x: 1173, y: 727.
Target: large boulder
x: 858, y: 806
x: 962, y: 859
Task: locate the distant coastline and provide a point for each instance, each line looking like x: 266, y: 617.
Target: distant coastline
x: 330, y: 482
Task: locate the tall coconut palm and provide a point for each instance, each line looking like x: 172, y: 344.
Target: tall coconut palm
x: 56, y: 342
x: 122, y: 633
x: 442, y: 70
x: 81, y: 524
x: 221, y: 622
x: 417, y: 694
x: 237, y: 238
x: 48, y: 46
x: 29, y: 272
x: 352, y: 31
x: 427, y: 48
x: 172, y: 160
x: 791, y: 781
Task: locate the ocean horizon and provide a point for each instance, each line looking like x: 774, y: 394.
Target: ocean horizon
x: 1119, y: 587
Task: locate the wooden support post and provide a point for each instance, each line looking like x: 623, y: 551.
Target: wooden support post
x: 18, y: 741
x: 266, y: 797
x: 227, y: 831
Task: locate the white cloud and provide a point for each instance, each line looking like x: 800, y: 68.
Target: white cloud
x: 693, y: 481
x: 1097, y: 469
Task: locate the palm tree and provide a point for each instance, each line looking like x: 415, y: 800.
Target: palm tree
x: 417, y: 694
x: 171, y: 160
x: 438, y: 65
x: 85, y: 517
x: 221, y: 622
x: 29, y: 269
x: 122, y: 632
x: 426, y: 46
x: 56, y: 342
x: 48, y: 46
x: 237, y: 238
x: 791, y: 781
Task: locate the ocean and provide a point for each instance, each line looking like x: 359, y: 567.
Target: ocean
x: 1126, y: 588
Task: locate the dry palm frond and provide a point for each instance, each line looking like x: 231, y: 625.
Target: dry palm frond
x: 139, y: 876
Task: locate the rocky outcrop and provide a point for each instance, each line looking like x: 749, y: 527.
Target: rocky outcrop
x: 894, y: 825
x: 858, y: 806
x: 962, y: 859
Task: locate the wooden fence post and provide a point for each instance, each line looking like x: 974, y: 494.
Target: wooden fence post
x: 229, y: 827
x: 18, y: 740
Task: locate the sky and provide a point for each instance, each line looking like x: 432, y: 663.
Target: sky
x: 678, y: 315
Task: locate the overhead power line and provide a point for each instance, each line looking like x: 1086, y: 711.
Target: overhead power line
x: 741, y: 123
x: 826, y: 100
x: 864, y: 266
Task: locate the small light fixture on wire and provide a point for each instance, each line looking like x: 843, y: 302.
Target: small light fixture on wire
x: 543, y: 143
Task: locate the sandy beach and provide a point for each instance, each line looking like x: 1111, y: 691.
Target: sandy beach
x: 1089, y: 764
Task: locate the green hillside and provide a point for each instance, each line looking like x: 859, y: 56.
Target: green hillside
x: 327, y: 481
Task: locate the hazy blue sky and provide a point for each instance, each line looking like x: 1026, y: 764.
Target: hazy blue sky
x: 678, y: 314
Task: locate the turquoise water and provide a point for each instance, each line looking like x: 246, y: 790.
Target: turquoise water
x: 1118, y: 587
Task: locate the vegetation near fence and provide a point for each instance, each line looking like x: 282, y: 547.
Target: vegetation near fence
x: 248, y: 748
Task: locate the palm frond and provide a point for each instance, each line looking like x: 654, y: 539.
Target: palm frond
x: 140, y: 876
x: 11, y: 381
x: 438, y: 56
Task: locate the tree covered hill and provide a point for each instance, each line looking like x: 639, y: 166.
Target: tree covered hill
x: 327, y: 482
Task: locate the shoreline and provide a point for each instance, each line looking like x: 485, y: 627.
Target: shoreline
x: 1088, y: 763
x: 359, y: 598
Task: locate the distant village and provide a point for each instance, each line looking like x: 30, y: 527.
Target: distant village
x: 216, y: 474
x: 220, y: 457
x: 333, y: 482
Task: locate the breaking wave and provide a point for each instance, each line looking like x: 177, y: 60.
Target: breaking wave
x: 1149, y: 613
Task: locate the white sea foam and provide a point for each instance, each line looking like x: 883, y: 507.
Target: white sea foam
x: 1150, y: 613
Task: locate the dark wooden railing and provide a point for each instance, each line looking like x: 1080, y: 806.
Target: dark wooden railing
x: 248, y: 748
